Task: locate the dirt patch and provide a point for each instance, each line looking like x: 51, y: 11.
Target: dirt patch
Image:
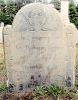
x: 16, y: 96
x: 26, y: 96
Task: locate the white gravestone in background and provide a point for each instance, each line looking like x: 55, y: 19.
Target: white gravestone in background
x: 36, y: 49
x: 65, y: 10
x: 1, y: 31
x: 72, y: 39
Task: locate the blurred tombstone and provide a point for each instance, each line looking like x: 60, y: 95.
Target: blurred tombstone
x: 2, y: 24
x: 36, y: 49
x: 1, y: 31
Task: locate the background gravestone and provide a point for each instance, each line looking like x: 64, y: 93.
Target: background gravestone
x: 72, y: 39
x: 1, y: 31
x: 35, y: 48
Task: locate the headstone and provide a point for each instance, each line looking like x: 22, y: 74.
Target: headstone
x: 2, y: 24
x: 72, y: 39
x: 36, y: 48
x: 43, y: 1
x: 65, y: 10
x: 1, y: 32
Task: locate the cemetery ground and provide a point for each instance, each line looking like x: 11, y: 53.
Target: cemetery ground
x: 2, y: 68
x: 51, y: 93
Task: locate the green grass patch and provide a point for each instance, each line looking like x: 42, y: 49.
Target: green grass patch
x: 3, y: 88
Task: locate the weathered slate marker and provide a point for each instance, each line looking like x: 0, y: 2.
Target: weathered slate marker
x: 36, y: 50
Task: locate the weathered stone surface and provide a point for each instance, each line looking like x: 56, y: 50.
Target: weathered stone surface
x: 1, y: 30
x: 72, y: 39
x: 36, y: 48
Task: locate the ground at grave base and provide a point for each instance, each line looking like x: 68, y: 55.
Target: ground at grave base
x: 29, y: 96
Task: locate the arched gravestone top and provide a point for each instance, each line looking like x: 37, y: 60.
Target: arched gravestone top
x: 37, y: 17
x: 35, y: 47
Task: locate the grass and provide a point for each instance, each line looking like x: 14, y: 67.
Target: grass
x: 2, y: 67
x: 3, y: 88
